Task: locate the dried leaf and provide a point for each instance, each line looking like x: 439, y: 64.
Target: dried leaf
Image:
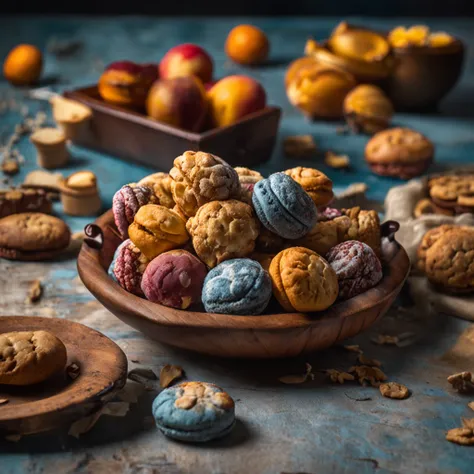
x: 3, y: 401
x: 353, y: 348
x: 146, y: 377
x: 362, y: 359
x: 169, y: 373
x: 462, y: 382
x: 339, y: 376
x: 73, y: 371
x: 337, y: 161
x: 394, y: 390
x: 297, y: 379
x: 299, y: 146
x: 35, y: 292
x: 462, y: 436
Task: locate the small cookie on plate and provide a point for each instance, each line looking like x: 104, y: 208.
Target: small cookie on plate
x: 399, y: 152
x: 29, y: 357
x: 315, y: 183
x: 195, y: 412
x: 32, y: 236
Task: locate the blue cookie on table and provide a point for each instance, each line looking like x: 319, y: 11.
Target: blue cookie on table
x: 283, y: 206
x: 194, y: 412
x: 238, y: 286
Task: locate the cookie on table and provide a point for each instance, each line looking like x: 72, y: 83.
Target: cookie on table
x: 174, y: 279
x: 315, y: 183
x: 248, y: 179
x: 303, y: 280
x: 453, y: 193
x: 194, y: 411
x: 156, y: 229
x: 222, y: 230
x: 399, y: 152
x: 239, y: 286
x: 357, y: 268
x: 29, y: 357
x: 450, y: 261
x: 199, y: 178
x: 32, y: 236
x: 161, y: 185
x: 283, y: 206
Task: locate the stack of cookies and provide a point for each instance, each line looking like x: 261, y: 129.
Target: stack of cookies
x: 229, y: 240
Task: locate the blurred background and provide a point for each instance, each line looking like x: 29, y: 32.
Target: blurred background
x: 425, y: 8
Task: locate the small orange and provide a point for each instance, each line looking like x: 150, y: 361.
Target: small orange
x: 247, y: 44
x: 23, y: 65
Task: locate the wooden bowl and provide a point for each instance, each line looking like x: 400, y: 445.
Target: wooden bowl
x: 264, y: 336
x: 133, y: 136
x: 61, y: 400
x: 422, y: 76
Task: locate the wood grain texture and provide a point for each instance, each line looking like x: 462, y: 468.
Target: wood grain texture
x: 263, y: 336
x: 60, y: 400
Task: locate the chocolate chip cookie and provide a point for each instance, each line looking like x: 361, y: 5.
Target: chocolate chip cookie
x: 30, y: 357
x: 32, y: 236
x: 454, y: 193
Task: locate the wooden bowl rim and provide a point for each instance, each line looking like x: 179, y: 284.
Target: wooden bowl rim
x: 112, y: 295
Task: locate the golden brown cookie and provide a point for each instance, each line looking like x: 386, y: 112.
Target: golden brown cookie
x: 399, y: 152
x: 198, y: 178
x: 326, y: 234
x: 32, y: 236
x: 29, y: 357
x: 427, y: 206
x: 454, y: 193
x: 315, y: 183
x: 222, y: 230
x: 365, y: 227
x: 156, y: 229
x: 248, y: 178
x: 431, y: 237
x: 161, y: 185
x: 450, y: 261
x: 303, y: 281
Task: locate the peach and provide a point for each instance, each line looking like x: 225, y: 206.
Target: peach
x: 234, y: 97
x: 187, y: 60
x: 127, y: 83
x: 23, y: 65
x: 247, y: 44
x: 180, y: 102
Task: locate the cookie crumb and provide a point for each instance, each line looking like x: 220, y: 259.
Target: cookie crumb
x: 299, y: 146
x: 10, y: 167
x: 337, y: 161
x: 394, y: 390
x: 362, y: 359
x: 169, y: 373
x: 35, y: 292
x: 471, y: 405
x: 73, y: 371
x: 353, y: 348
x: 365, y: 373
x: 462, y: 382
x: 339, y: 376
x: 462, y: 436
x: 297, y: 379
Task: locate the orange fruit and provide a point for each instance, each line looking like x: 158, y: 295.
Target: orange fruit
x: 247, y: 44
x: 23, y: 65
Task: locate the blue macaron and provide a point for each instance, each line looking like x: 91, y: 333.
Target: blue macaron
x: 195, y: 412
x: 238, y: 286
x: 283, y: 206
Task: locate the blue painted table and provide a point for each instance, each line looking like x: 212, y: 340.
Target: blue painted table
x: 314, y: 427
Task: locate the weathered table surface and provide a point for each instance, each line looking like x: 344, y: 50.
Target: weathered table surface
x: 314, y: 427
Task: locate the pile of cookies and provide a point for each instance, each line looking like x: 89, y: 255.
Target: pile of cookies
x: 229, y: 239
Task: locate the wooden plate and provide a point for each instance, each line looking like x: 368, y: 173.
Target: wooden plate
x: 59, y: 401
x: 264, y: 336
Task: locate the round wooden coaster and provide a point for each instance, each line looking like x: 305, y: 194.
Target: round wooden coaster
x: 62, y: 399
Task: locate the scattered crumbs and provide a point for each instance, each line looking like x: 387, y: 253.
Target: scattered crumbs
x: 73, y: 371
x: 462, y: 382
x: 3, y: 401
x: 353, y: 348
x: 402, y: 340
x: 366, y: 374
x: 339, y: 376
x: 297, y: 379
x: 394, y: 390
x: 299, y: 146
x: 337, y: 161
x: 170, y: 373
x: 464, y: 435
x: 362, y: 359
x: 35, y: 292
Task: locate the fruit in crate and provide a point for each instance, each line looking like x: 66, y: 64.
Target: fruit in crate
x: 127, y: 83
x: 247, y: 44
x: 187, y: 60
x: 234, y: 97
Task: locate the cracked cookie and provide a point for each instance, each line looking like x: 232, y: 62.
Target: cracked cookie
x: 160, y: 183
x: 365, y: 227
x: 29, y: 357
x: 303, y: 280
x: 199, y: 178
x: 453, y: 193
x: 194, y: 412
x: 222, y: 230
x: 399, y: 152
x: 315, y: 183
x: 156, y: 229
x: 32, y: 236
